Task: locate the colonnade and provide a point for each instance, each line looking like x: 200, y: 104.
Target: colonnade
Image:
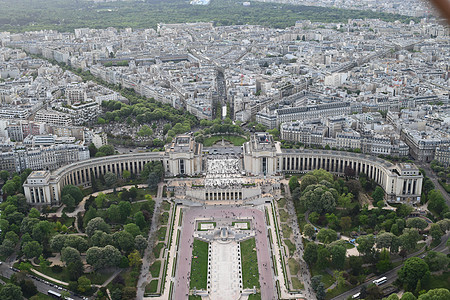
x: 225, y: 195
x: 334, y: 164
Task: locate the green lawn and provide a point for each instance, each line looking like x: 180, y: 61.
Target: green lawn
x: 157, y: 249
x: 438, y: 281
x: 40, y: 296
x: 165, y: 205
x: 151, y: 287
x: 283, y: 215
x: 164, y: 218
x: 349, y: 246
x: 254, y: 296
x: 327, y: 279
x: 199, y: 265
x: 287, y: 230
x: 297, y: 284
x: 234, y: 139
x: 250, y: 274
x: 291, y: 247
x: 63, y: 275
x: 294, y: 266
x: 337, y: 291
x: 192, y: 297
x: 282, y: 202
x: 98, y: 277
x: 155, y: 268
x: 162, y: 233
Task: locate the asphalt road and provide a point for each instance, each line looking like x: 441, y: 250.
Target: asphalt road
x: 392, y: 274
x: 41, y: 286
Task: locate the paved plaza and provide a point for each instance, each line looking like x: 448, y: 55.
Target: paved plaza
x: 223, y: 254
x: 225, y: 266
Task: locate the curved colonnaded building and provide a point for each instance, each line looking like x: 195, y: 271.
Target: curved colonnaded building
x: 260, y: 157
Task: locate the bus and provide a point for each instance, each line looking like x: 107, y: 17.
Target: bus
x: 380, y: 281
x: 54, y: 294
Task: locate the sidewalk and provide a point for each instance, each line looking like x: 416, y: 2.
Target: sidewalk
x: 48, y: 277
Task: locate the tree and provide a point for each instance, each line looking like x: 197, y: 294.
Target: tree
x: 133, y: 193
x: 12, y: 236
x: 338, y: 256
x: 135, y: 259
x: 444, y: 225
x: 418, y: 223
x: 70, y: 255
x: 7, y: 248
x: 436, y: 294
x: 373, y: 292
x: 57, y: 242
x: 32, y: 249
x: 307, y: 180
x: 28, y: 287
x: 110, y: 179
x: 346, y: 223
x: 92, y: 149
x: 105, y: 257
x: 75, y: 270
x: 403, y: 211
x: 409, y: 239
x: 145, y: 131
x: 96, y: 224
x: 408, y: 296
x: 318, y: 198
x: 34, y: 213
x: 384, y: 240
x: 293, y: 183
x: 100, y: 200
x: 139, y: 219
x: 133, y: 229
x: 413, y: 270
x: 327, y: 235
x: 355, y: 263
x: 349, y: 171
x: 10, y: 292
x: 4, y: 175
x: 436, y: 202
x: 69, y: 201
x: 321, y: 174
x: 436, y: 232
x: 9, y: 188
x: 73, y: 191
x: 126, y: 175
x: 320, y: 292
x: 310, y: 254
x: 309, y: 230
x: 378, y: 194
x: 106, y: 149
x: 84, y: 284
x: 124, y: 210
x: 437, y: 261
x: 140, y: 243
x: 113, y: 213
x: 365, y: 244
x: 323, y: 256
x: 384, y: 264
x: 124, y: 240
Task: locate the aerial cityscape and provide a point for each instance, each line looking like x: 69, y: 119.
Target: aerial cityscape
x: 224, y: 150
